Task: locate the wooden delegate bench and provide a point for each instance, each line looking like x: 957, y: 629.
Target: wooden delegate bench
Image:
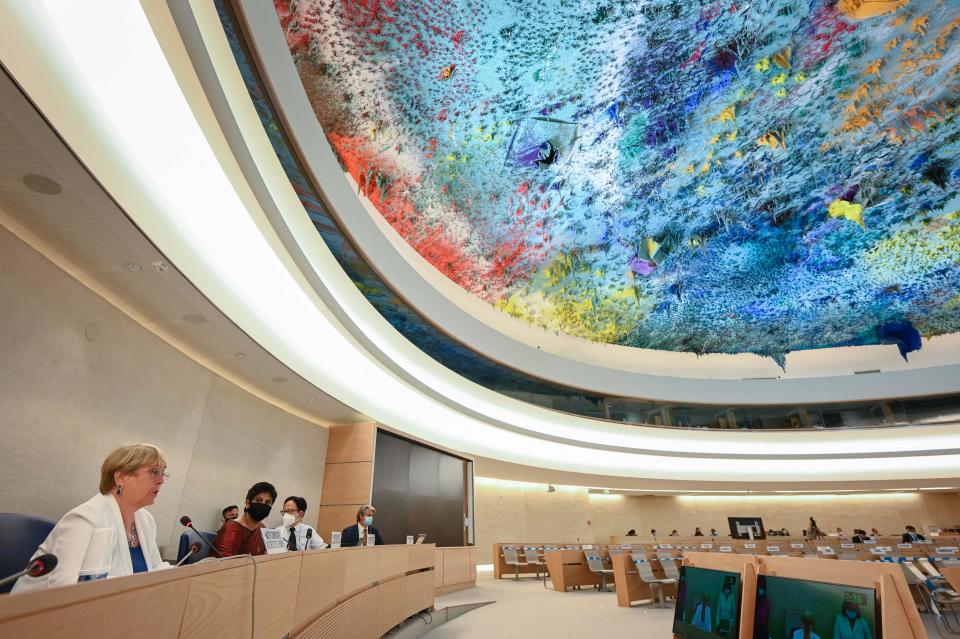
x: 568, y: 569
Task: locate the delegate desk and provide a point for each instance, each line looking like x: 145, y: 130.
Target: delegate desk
x: 568, y: 568
x: 356, y: 592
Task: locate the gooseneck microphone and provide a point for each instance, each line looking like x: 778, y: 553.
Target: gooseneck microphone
x: 186, y: 521
x: 36, y: 568
x: 195, y: 548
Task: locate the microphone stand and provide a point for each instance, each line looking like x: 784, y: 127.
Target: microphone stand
x: 195, y: 548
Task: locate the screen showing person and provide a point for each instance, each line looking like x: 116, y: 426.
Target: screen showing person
x: 708, y: 604
x: 801, y: 609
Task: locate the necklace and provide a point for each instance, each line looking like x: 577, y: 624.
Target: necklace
x: 132, y: 538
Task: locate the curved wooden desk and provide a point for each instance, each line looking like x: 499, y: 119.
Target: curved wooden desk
x: 357, y: 592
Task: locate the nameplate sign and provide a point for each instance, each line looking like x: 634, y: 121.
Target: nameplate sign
x: 726, y: 549
x: 706, y: 545
x: 273, y: 540
x: 749, y: 546
x: 335, y: 539
x: 665, y: 546
x: 371, y: 539
x: 410, y: 539
x: 846, y: 546
x: 870, y: 541
x: 825, y: 550
x: 877, y: 551
x: 907, y: 546
x: 885, y: 548
x: 626, y: 546
x: 946, y: 550
x: 773, y: 548
x: 798, y: 546
x: 588, y: 547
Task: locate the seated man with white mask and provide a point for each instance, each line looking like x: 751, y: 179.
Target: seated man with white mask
x: 299, y: 536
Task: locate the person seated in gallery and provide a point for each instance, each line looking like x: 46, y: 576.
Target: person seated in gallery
x: 633, y: 533
x: 358, y: 534
x: 784, y: 532
x: 230, y: 512
x: 714, y: 533
x: 242, y: 536
x: 859, y: 536
x: 674, y: 533
x: 875, y: 533
x: 698, y: 532
x: 840, y: 534
x: 912, y: 536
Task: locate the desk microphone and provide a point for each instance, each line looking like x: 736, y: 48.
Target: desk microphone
x: 36, y: 568
x: 306, y: 544
x: 195, y: 548
x: 186, y: 521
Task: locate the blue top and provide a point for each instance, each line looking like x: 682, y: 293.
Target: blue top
x: 139, y: 562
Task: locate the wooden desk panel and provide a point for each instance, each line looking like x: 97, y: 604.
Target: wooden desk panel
x: 356, y: 592
x: 630, y: 588
x: 568, y: 568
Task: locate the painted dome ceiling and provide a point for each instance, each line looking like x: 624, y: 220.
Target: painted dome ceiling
x: 721, y: 177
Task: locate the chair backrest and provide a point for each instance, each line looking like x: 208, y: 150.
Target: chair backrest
x: 594, y: 561
x: 664, y: 555
x: 20, y: 536
x: 613, y: 550
x: 670, y: 569
x: 187, y: 539
x: 510, y: 556
x: 927, y: 566
x: 643, y: 568
x: 531, y: 555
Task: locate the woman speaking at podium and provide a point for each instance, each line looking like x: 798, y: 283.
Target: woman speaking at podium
x: 111, y: 534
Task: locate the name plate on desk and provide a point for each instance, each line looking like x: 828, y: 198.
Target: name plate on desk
x: 885, y: 548
x: 798, y: 546
x: 410, y: 540
x: 870, y: 541
x: 907, y: 546
x: 773, y: 548
x: 667, y: 546
x: 587, y: 547
x: 706, y: 545
x: 825, y: 550
x: 877, y: 551
x: 371, y: 540
x: 946, y: 550
x: 726, y: 549
x: 749, y: 546
x: 273, y: 540
x: 846, y: 546
x: 335, y: 539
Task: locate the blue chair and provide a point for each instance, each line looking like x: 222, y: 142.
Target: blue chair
x: 187, y: 539
x: 20, y: 536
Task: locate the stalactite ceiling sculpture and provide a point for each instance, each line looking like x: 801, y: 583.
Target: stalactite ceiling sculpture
x: 711, y: 177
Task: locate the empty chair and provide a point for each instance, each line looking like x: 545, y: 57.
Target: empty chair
x: 927, y: 566
x: 670, y: 569
x: 597, y: 565
x: 20, y: 536
x: 533, y: 558
x: 187, y: 539
x: 646, y: 575
x: 511, y: 559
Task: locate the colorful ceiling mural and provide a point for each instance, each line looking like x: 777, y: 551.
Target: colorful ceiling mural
x: 723, y: 177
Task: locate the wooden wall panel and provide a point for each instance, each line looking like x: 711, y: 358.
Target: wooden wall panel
x: 347, y: 483
x: 351, y: 443
x: 336, y: 518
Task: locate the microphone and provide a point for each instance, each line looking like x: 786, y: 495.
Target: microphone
x: 36, y: 568
x: 195, y: 548
x: 306, y: 543
x: 186, y: 521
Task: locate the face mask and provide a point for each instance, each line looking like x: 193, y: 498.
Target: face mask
x: 851, y: 614
x: 258, y: 511
x: 368, y: 521
x: 289, y: 520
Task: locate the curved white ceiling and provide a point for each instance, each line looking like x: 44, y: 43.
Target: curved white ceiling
x: 142, y: 124
x: 603, y: 368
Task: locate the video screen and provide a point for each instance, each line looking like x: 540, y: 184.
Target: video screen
x: 800, y: 609
x: 746, y: 528
x: 708, y: 604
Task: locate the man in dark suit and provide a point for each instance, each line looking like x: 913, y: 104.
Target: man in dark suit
x: 912, y: 535
x: 357, y: 534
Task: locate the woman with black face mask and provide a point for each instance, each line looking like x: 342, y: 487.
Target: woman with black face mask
x: 242, y: 535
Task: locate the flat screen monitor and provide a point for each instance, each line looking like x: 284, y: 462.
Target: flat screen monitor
x: 786, y: 608
x: 708, y: 604
x: 741, y: 527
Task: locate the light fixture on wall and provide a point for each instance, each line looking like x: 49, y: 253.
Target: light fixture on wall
x: 551, y: 488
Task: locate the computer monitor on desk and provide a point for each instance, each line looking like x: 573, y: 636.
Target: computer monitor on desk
x: 708, y: 604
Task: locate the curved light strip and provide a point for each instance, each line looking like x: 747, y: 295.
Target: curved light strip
x: 114, y: 97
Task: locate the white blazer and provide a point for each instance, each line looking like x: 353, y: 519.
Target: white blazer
x: 70, y: 538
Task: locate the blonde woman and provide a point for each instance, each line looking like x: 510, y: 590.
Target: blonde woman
x: 112, y: 527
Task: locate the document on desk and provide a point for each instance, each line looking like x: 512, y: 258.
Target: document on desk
x: 273, y: 540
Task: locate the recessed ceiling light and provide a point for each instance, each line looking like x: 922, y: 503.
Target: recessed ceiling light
x: 278, y: 380
x: 239, y: 355
x: 42, y: 185
x: 311, y: 399
x: 132, y: 267
x: 194, y: 318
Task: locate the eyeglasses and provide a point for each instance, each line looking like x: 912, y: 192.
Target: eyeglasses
x: 156, y: 472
